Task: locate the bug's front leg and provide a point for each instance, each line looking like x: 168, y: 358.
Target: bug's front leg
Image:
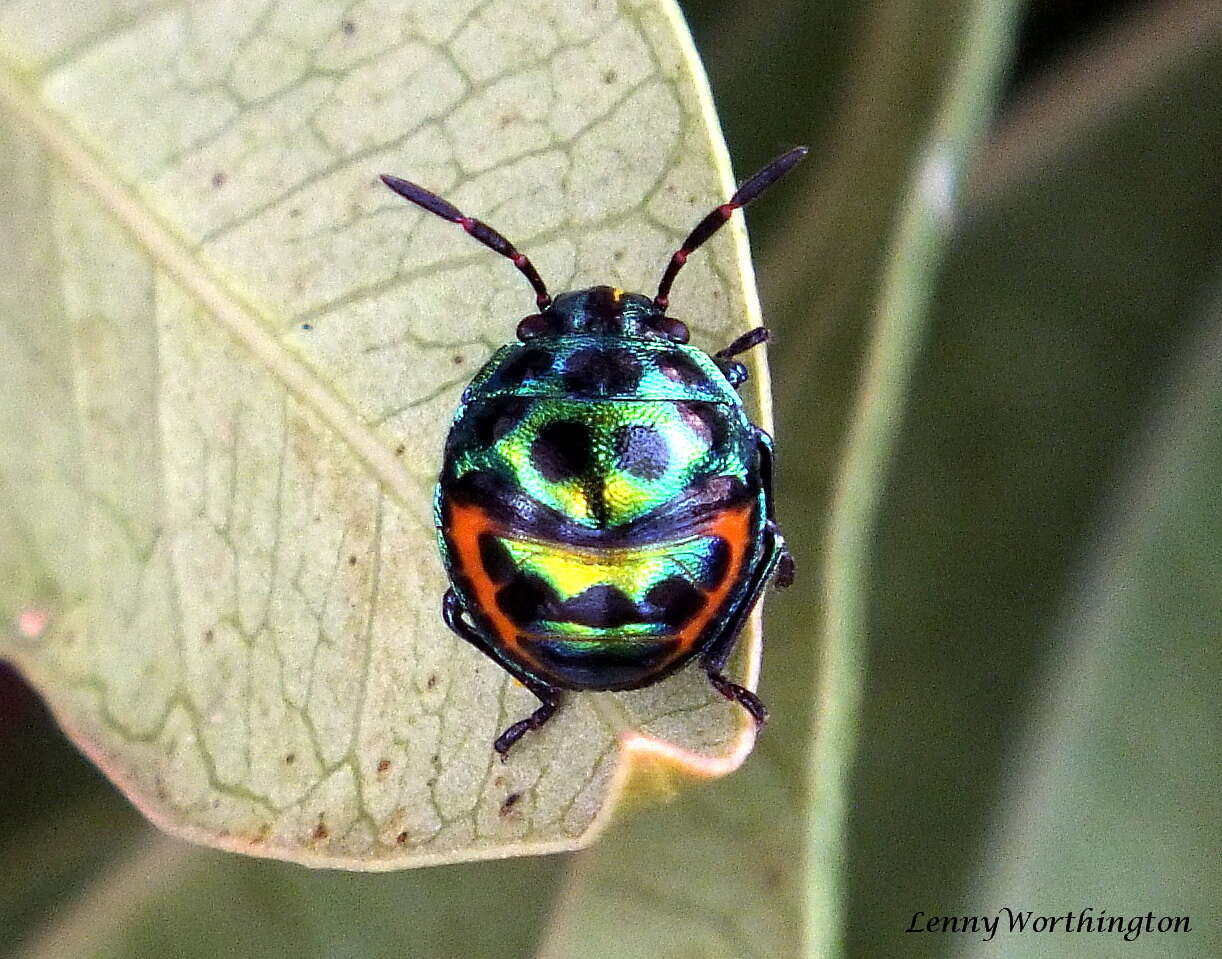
x: 733, y: 370
x: 549, y: 696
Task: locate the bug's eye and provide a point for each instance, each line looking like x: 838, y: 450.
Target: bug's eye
x: 674, y: 330
x: 534, y: 325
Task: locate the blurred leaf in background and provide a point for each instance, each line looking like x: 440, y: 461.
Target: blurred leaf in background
x: 1069, y: 303
x: 1041, y: 716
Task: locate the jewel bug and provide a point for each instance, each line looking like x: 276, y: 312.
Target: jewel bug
x: 604, y: 509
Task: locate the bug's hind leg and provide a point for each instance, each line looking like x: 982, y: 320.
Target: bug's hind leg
x: 741, y: 695
x: 733, y: 370
x: 549, y: 696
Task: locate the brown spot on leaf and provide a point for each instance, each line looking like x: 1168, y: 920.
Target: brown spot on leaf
x: 510, y: 801
x: 209, y: 636
x: 348, y: 27
x: 401, y: 838
x: 457, y: 360
x: 431, y: 682
x: 351, y: 560
x: 290, y: 758
x: 400, y: 450
x: 218, y: 179
x: 383, y: 765
x: 321, y: 831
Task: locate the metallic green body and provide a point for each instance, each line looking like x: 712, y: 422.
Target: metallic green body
x: 616, y: 482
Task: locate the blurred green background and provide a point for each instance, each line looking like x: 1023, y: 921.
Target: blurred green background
x: 1042, y: 687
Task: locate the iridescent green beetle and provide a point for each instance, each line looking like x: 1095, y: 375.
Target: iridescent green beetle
x: 604, y: 509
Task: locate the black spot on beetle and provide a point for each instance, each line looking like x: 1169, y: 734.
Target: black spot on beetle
x: 601, y: 372
x: 599, y: 606
x: 525, y: 598
x: 495, y: 559
x: 681, y: 368
x: 676, y: 599
x: 562, y: 450
x: 641, y: 451
x: 717, y: 564
x: 526, y: 365
x: 706, y: 420
x: 497, y: 418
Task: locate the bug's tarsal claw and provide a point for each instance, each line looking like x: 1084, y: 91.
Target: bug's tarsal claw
x: 741, y: 695
x: 504, y: 742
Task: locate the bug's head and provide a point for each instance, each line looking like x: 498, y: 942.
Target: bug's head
x: 603, y: 311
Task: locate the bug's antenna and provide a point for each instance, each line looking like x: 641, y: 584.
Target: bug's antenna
x: 478, y: 229
x: 715, y: 220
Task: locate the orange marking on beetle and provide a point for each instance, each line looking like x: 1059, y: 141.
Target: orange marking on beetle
x: 734, y: 526
x: 463, y: 531
x: 468, y: 522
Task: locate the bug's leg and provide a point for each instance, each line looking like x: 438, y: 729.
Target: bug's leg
x: 714, y: 658
x: 749, y: 340
x: 549, y: 696
x: 733, y: 370
x: 451, y: 612
x: 785, y: 565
